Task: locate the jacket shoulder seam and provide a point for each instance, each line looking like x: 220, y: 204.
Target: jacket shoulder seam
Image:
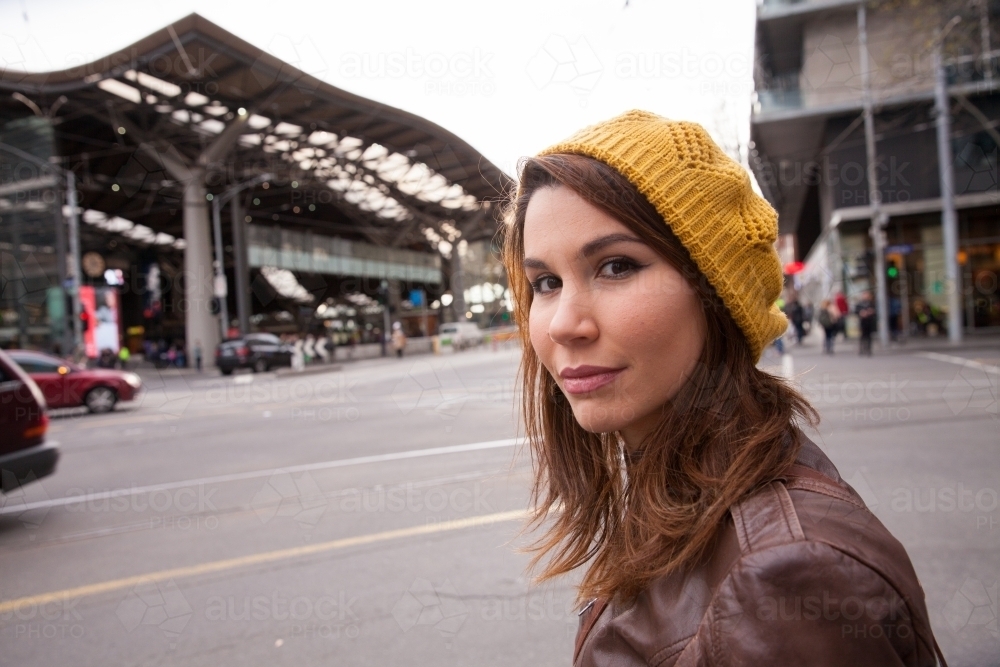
x: 800, y: 484
x: 774, y: 496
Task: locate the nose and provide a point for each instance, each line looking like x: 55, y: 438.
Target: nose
x: 573, y: 321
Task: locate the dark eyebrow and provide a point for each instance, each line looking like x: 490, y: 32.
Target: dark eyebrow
x: 597, y: 244
x: 589, y: 249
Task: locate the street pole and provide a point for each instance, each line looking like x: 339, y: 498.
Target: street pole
x: 74, y: 259
x: 384, y: 288
x: 239, y: 250
x: 949, y: 222
x: 242, y: 275
x: 220, y: 288
x: 874, y: 194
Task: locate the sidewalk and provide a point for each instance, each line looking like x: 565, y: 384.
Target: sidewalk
x: 813, y: 345
x: 990, y: 341
x: 982, y: 351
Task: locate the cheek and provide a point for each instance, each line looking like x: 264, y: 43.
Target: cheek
x: 663, y: 323
x: 538, y: 332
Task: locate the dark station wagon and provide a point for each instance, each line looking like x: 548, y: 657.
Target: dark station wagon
x: 258, y: 351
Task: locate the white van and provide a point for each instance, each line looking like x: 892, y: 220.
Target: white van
x: 460, y: 335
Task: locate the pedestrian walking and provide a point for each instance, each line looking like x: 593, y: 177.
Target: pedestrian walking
x: 895, y: 317
x: 197, y: 355
x: 796, y: 313
x: 829, y: 319
x: 865, y: 310
x: 298, y: 356
x: 668, y: 466
x: 124, y: 354
x: 841, y: 302
x: 398, y: 339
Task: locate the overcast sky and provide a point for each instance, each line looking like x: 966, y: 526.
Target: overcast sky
x: 509, y: 77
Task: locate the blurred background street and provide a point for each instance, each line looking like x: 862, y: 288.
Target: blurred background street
x: 258, y: 349
x: 189, y: 517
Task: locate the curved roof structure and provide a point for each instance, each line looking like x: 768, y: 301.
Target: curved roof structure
x: 194, y: 96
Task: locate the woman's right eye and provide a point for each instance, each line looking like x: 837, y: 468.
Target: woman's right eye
x: 544, y: 284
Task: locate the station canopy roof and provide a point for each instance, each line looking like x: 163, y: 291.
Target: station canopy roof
x: 194, y: 96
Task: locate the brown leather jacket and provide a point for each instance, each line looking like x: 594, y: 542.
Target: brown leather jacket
x: 803, y: 574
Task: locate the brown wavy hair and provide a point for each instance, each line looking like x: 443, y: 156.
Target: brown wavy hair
x: 730, y: 429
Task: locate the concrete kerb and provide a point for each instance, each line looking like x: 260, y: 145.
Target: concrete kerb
x: 938, y: 344
x: 309, y: 370
x: 146, y: 369
x: 910, y: 345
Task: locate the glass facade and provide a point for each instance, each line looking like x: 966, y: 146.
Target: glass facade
x: 32, y: 302
x: 915, y: 266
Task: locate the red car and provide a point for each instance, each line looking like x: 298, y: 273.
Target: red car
x: 66, y: 385
x: 24, y: 454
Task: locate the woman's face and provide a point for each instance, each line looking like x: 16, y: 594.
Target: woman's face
x: 604, y: 299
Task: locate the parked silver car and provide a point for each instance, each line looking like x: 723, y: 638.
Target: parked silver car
x: 461, y: 335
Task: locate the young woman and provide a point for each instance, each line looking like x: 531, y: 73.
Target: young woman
x: 667, y: 464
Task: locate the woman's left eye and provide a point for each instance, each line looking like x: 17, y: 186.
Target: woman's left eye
x: 618, y: 267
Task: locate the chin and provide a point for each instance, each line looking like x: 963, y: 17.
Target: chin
x: 597, y: 418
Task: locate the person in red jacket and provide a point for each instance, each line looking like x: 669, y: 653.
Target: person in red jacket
x: 841, y: 301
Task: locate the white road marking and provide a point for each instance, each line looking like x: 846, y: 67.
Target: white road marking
x: 787, y: 366
x: 256, y: 474
x: 960, y: 361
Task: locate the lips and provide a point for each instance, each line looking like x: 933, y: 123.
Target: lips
x: 588, y: 383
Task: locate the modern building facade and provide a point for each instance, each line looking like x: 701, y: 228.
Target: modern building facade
x: 809, y: 152
x: 333, y: 209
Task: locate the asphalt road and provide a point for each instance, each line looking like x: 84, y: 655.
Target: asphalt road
x: 371, y: 515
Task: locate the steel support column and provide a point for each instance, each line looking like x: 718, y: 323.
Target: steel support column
x: 949, y: 221
x: 74, y: 262
x: 200, y: 325
x: 241, y: 265
x: 874, y: 193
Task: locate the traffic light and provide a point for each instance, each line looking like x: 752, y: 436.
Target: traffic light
x: 84, y: 321
x: 893, y: 264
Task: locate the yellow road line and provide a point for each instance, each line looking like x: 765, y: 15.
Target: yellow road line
x: 8, y: 606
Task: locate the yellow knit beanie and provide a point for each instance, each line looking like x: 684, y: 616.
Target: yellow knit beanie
x: 706, y: 198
